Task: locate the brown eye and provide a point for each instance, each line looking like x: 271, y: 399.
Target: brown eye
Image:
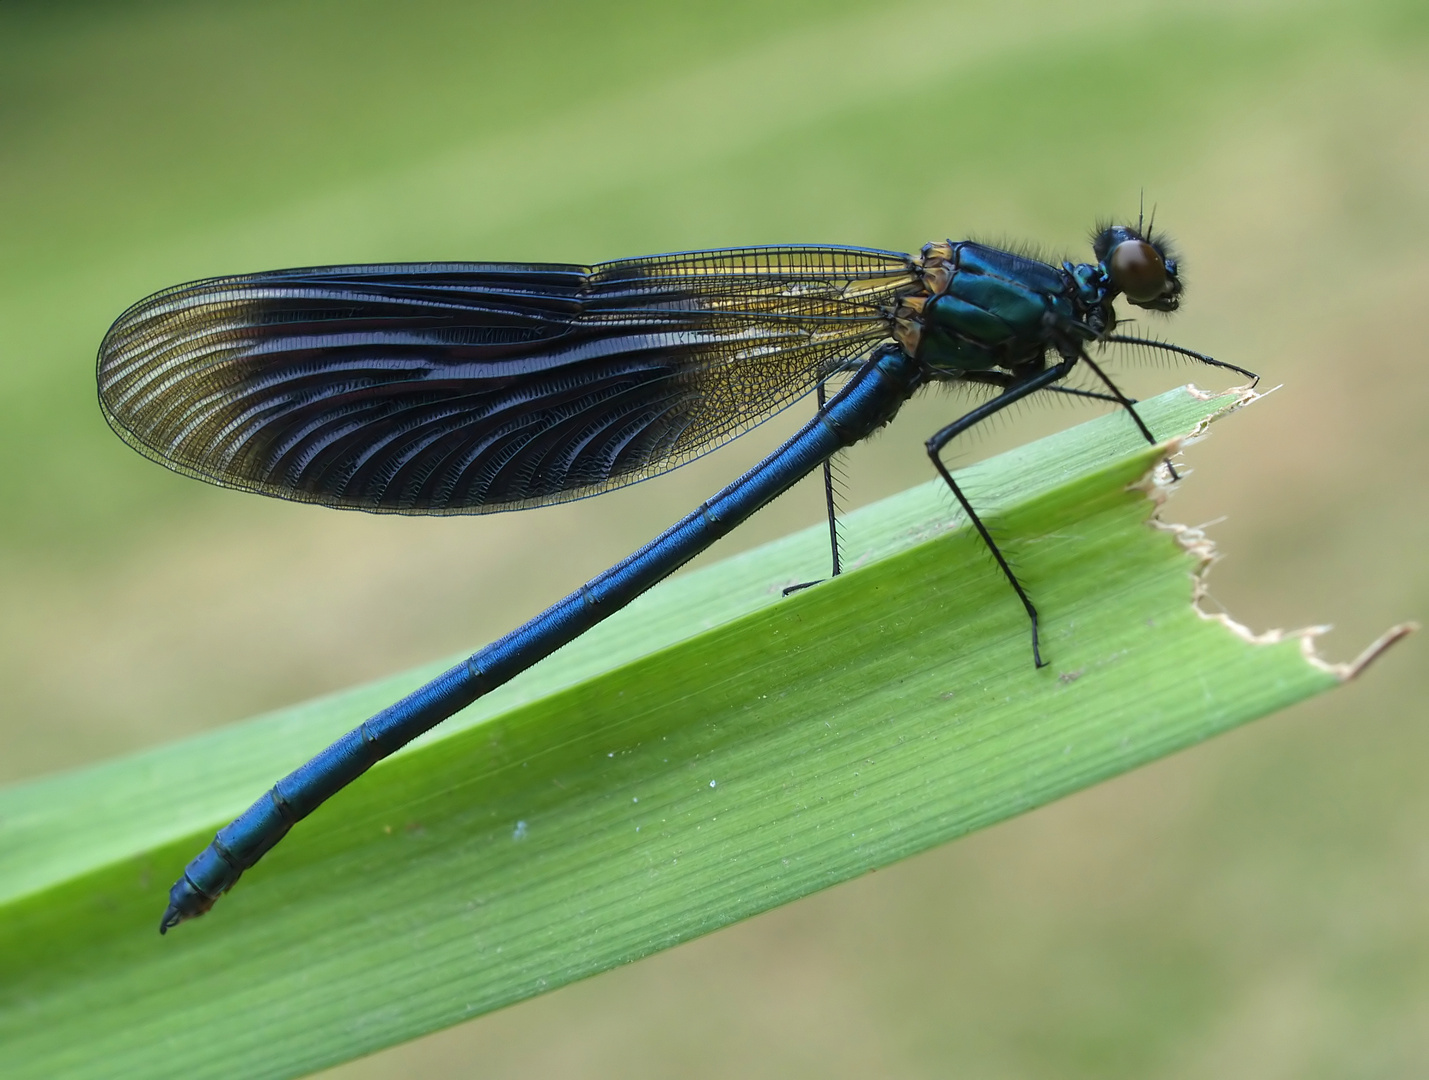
x: 1138, y: 270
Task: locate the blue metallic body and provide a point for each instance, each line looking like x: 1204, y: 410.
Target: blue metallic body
x: 869, y: 400
x: 475, y: 387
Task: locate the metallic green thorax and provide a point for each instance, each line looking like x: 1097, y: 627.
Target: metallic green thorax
x: 999, y: 310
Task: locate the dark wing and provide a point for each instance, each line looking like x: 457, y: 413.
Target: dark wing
x: 439, y: 388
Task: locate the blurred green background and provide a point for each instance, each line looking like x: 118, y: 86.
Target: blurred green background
x: 1254, y: 908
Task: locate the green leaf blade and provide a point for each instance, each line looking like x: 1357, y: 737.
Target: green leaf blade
x: 709, y: 753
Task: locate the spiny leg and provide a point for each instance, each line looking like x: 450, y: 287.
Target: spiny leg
x: 1005, y: 379
x: 829, y: 501
x: 1015, y: 392
x: 1072, y: 391
x: 832, y: 510
x: 1126, y: 339
x: 1129, y: 405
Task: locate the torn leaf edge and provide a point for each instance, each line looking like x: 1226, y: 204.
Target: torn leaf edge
x: 1157, y: 486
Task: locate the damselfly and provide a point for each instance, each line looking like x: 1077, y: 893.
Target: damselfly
x: 454, y: 388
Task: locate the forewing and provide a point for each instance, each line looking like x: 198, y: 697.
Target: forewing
x: 472, y: 387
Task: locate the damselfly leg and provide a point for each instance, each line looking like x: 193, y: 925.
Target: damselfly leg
x: 832, y: 509
x: 1016, y: 392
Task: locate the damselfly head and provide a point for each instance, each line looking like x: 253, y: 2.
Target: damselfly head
x: 1143, y: 268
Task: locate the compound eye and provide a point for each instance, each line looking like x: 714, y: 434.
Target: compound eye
x: 1138, y: 270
